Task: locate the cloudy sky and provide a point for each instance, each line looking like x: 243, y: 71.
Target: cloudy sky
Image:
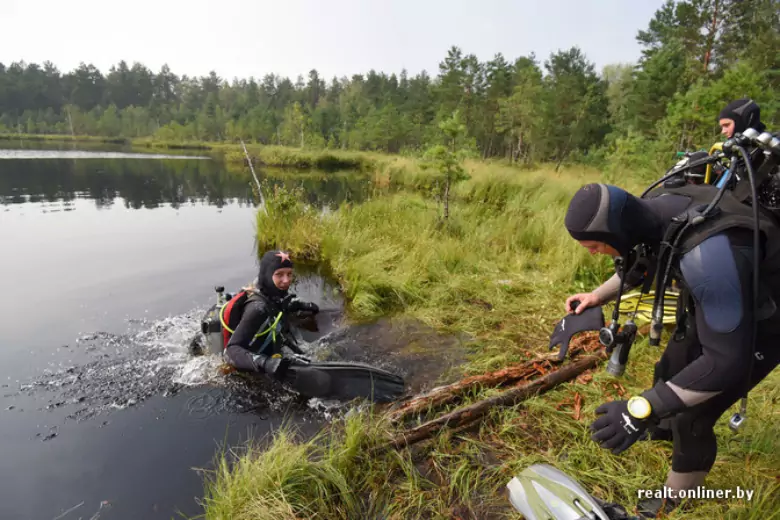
x: 243, y: 38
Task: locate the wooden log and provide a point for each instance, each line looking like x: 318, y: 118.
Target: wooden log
x: 449, y: 393
x: 474, y: 412
x: 521, y: 371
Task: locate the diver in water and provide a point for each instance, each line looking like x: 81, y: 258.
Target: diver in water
x: 255, y: 327
x: 709, y: 362
x: 257, y: 319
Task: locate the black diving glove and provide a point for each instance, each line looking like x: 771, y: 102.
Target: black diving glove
x: 616, y: 429
x: 297, y: 305
x: 275, y: 367
x: 591, y: 318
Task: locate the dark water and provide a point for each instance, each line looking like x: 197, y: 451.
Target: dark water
x: 151, y: 183
x: 107, y: 266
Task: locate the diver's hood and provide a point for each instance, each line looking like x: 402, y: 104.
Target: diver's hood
x: 609, y: 214
x: 542, y: 492
x: 605, y: 213
x: 270, y: 262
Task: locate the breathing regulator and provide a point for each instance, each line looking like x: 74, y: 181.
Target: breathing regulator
x: 635, y: 269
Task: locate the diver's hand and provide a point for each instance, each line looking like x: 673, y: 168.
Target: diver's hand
x: 275, y: 367
x: 290, y: 342
x: 615, y: 429
x: 298, y: 305
x: 586, y: 300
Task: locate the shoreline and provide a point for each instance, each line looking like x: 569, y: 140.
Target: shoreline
x: 499, y: 270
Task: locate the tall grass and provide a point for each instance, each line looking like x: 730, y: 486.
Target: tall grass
x: 499, y: 270
x: 282, y: 156
x: 504, y: 248
x: 291, y: 480
x: 340, y: 475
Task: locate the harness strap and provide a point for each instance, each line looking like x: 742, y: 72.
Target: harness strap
x: 270, y: 328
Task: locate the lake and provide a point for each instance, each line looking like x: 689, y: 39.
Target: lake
x: 108, y: 262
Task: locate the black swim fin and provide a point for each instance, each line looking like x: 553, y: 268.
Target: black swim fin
x: 344, y: 381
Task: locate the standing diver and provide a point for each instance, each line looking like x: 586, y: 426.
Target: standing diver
x: 255, y: 327
x: 711, y: 360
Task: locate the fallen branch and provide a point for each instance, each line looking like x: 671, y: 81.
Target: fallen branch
x: 66, y: 513
x: 523, y: 371
x: 252, y: 169
x: 447, y: 394
x: 474, y: 412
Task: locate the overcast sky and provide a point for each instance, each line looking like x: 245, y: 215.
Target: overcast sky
x: 243, y: 38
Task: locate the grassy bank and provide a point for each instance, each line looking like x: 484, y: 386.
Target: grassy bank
x: 232, y: 153
x: 63, y: 138
x: 499, y: 271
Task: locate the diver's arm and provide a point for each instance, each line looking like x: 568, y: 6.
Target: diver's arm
x: 599, y: 296
x: 297, y: 305
x: 237, y: 350
x: 608, y: 291
x: 719, y: 279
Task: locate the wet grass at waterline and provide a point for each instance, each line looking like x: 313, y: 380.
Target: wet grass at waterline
x: 341, y: 475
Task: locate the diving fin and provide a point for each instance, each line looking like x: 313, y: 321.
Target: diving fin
x: 542, y: 492
x: 308, y: 381
x: 344, y: 381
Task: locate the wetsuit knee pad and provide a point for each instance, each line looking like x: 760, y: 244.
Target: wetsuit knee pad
x: 695, y: 445
x: 677, y: 355
x: 659, y: 372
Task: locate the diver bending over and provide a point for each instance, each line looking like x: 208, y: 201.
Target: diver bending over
x: 706, y: 366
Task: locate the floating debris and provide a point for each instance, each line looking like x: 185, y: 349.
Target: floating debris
x: 52, y: 433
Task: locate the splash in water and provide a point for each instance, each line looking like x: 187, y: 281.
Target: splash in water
x: 152, y: 358
x: 122, y: 370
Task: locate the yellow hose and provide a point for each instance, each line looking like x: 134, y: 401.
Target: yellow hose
x: 272, y: 327
x: 708, y: 174
x: 643, y: 304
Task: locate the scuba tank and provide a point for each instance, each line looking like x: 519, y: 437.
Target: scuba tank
x: 210, y: 325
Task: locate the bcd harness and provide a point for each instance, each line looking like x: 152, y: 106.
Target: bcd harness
x: 710, y: 211
x: 230, y: 315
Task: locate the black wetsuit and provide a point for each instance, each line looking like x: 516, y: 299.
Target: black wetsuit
x: 243, y: 348
x: 265, y: 312
x: 247, y: 352
x: 705, y: 366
